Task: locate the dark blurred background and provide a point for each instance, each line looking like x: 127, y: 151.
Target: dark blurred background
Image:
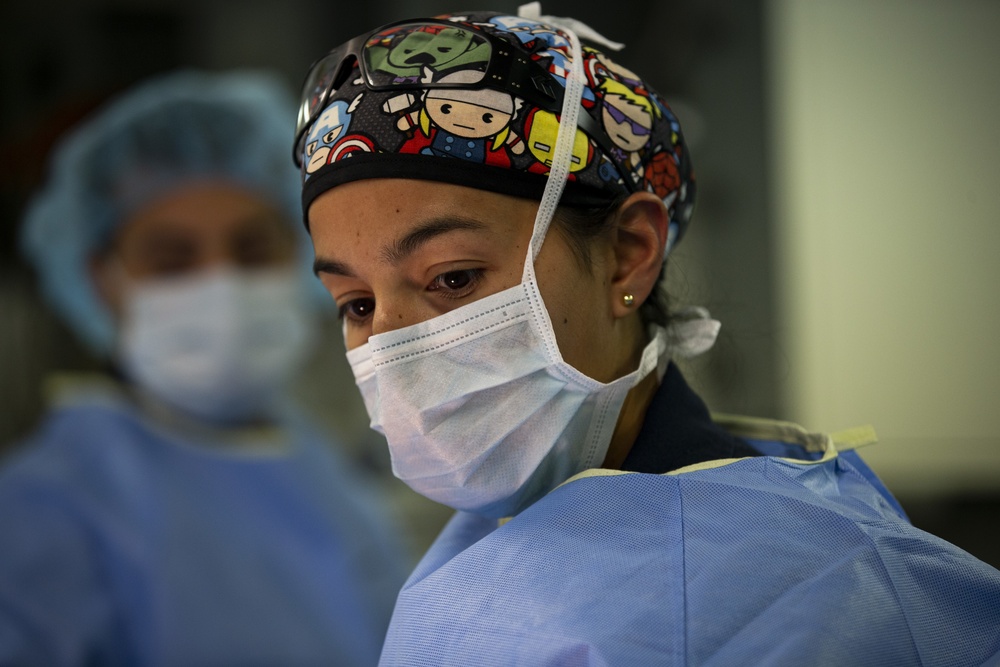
x: 733, y: 74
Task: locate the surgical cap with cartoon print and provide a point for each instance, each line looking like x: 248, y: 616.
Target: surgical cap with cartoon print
x: 431, y: 100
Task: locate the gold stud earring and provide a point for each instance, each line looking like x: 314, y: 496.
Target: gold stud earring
x: 628, y: 300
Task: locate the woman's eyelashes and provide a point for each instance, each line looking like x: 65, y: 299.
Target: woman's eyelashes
x: 449, y: 285
x: 456, y: 284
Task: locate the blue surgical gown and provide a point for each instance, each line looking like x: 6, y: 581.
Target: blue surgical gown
x: 795, y: 556
x: 131, y: 541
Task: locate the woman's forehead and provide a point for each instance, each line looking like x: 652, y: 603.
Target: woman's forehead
x: 207, y: 209
x: 380, y: 224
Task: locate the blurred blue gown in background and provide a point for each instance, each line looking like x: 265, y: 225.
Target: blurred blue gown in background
x: 131, y: 540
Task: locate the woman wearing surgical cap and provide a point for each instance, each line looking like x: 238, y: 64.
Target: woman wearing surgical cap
x: 496, y: 268
x: 181, y: 511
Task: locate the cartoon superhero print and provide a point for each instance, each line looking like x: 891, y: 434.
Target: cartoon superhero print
x: 599, y: 67
x: 349, y: 145
x: 522, y: 28
x: 409, y: 54
x: 470, y: 124
x: 540, y: 130
x: 328, y: 129
x: 663, y: 172
x: 661, y: 175
x: 556, y: 54
x: 451, y: 113
x: 628, y: 121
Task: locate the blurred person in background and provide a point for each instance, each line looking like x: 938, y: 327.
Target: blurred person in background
x: 180, y: 510
x: 491, y: 205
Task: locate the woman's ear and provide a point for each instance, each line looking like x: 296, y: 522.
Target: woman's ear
x: 641, y: 237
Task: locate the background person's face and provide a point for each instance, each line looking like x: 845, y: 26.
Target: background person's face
x: 192, y: 229
x: 396, y: 252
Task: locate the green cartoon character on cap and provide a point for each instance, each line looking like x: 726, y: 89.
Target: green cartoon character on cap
x: 409, y: 51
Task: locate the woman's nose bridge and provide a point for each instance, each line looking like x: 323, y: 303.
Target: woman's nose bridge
x: 394, y: 312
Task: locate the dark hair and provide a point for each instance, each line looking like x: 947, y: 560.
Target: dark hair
x: 581, y: 226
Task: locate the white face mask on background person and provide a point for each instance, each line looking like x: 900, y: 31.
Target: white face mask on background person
x: 219, y: 345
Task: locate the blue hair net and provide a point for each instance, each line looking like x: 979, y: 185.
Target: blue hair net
x: 163, y: 133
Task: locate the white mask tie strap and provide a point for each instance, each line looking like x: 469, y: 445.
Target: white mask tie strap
x: 533, y: 10
x: 692, y: 332
x: 562, y: 156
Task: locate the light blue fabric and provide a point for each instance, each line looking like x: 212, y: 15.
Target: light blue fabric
x: 125, y: 545
x: 166, y: 132
x: 759, y: 562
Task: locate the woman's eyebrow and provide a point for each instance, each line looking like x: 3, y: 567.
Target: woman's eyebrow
x: 331, y: 267
x: 398, y: 250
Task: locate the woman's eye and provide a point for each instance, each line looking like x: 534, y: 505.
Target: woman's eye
x: 445, y: 108
x: 487, y: 118
x: 357, y: 310
x: 168, y: 258
x: 456, y: 279
x: 456, y: 284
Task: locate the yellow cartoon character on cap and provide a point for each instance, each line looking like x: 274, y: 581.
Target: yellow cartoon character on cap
x: 540, y: 129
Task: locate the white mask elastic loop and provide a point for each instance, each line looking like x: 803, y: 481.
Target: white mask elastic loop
x: 562, y: 156
x: 533, y: 10
x: 693, y: 331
